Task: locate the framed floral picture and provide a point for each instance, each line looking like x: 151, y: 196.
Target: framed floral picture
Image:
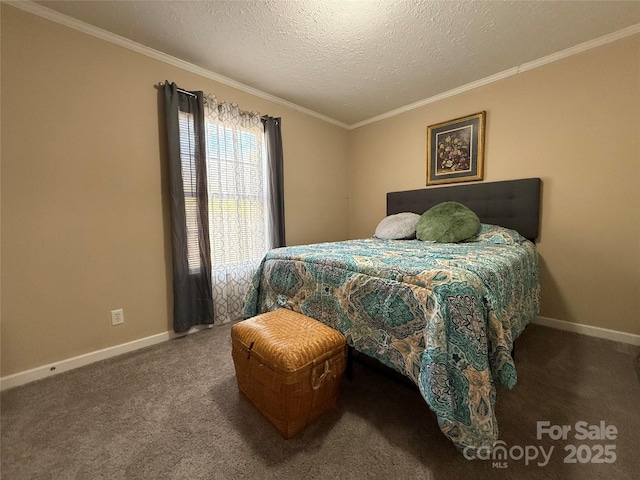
x: 455, y: 150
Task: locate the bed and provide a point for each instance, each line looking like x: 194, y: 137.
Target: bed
x: 445, y: 315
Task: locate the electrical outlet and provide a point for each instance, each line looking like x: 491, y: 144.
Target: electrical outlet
x: 117, y: 317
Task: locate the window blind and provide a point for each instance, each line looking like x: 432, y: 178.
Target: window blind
x: 188, y: 162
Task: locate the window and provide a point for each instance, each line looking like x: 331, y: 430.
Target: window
x: 237, y: 181
x: 236, y: 191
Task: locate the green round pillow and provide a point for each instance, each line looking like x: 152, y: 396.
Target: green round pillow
x: 447, y: 222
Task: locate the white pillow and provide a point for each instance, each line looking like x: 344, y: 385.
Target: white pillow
x: 400, y: 226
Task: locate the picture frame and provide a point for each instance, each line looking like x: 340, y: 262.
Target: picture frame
x: 455, y: 150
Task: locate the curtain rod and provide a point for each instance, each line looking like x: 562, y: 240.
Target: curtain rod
x: 206, y: 98
x: 161, y: 84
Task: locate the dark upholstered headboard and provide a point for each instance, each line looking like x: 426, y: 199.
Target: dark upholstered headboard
x: 513, y: 204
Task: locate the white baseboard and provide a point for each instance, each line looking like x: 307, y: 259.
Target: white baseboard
x: 589, y: 330
x: 45, y: 371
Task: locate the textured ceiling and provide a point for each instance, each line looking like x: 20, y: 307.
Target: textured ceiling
x: 353, y: 60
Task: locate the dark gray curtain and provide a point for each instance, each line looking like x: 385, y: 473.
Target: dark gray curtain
x: 192, y: 291
x: 273, y: 135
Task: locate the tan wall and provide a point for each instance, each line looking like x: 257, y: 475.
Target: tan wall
x: 85, y: 222
x: 576, y: 124
x: 85, y: 215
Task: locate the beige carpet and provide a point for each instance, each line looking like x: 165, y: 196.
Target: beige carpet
x: 173, y: 411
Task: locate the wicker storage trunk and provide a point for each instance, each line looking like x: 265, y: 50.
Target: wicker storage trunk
x: 289, y: 366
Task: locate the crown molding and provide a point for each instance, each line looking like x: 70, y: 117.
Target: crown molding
x: 44, y: 12
x: 582, y: 47
x: 47, y: 13
x: 436, y: 98
x: 554, y: 57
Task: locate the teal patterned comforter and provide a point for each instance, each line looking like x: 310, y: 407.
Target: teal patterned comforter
x: 444, y: 315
